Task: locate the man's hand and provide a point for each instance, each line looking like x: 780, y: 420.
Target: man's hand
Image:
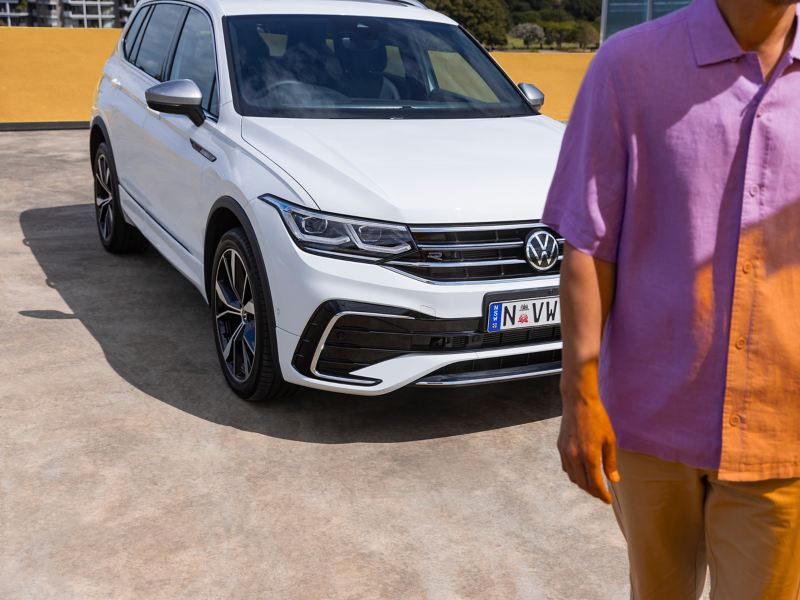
x: 586, y: 443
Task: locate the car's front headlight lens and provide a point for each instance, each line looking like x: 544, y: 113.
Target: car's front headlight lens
x: 320, y: 232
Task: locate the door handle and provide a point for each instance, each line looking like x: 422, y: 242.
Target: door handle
x: 205, y: 153
x: 116, y: 82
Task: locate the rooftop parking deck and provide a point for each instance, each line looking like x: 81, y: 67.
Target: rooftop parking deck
x: 128, y: 469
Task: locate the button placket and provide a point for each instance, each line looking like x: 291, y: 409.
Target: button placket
x: 737, y: 380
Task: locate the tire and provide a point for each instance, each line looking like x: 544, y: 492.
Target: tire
x: 240, y: 315
x: 116, y: 235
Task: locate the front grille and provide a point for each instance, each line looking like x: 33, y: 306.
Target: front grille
x: 356, y: 341
x: 473, y: 252
x: 500, y: 368
x: 538, y: 359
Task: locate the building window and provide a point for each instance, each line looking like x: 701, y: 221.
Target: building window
x: 621, y: 14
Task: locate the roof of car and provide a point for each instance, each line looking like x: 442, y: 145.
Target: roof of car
x: 400, y: 9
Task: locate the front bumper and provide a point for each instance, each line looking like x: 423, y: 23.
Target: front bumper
x: 441, y: 340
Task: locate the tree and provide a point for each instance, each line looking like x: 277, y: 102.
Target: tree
x: 529, y: 33
x: 583, y: 10
x: 487, y: 20
x: 586, y: 35
x: 559, y: 32
x: 554, y: 14
x: 536, y: 11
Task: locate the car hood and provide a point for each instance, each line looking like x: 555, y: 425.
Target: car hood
x: 416, y: 171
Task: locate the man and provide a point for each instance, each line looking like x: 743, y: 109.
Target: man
x: 678, y: 193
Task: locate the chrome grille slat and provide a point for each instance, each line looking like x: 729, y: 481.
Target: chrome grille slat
x: 482, y: 227
x: 478, y: 246
x: 459, y: 264
x: 479, y: 252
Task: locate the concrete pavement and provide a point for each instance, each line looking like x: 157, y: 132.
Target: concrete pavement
x: 128, y: 470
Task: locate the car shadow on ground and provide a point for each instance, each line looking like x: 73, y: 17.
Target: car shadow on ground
x: 155, y: 331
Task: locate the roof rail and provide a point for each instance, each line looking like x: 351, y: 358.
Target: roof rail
x: 417, y: 3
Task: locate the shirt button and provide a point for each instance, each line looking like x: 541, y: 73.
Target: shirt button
x: 760, y: 113
x: 753, y: 190
x: 747, y: 266
x: 740, y: 343
x: 734, y: 421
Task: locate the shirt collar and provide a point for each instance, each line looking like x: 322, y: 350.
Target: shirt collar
x: 713, y: 41
x: 794, y: 51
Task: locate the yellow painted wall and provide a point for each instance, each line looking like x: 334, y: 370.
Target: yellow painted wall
x: 557, y: 74
x: 50, y: 74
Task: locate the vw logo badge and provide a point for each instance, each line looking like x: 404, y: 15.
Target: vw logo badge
x: 541, y: 249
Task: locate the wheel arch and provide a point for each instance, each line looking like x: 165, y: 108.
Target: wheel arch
x: 97, y: 135
x: 225, y: 214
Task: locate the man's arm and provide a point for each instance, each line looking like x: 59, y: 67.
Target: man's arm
x: 586, y: 441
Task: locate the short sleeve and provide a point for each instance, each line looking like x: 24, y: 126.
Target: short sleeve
x: 587, y: 196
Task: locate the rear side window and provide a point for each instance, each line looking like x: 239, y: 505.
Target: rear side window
x: 194, y: 57
x: 133, y: 31
x: 157, y: 38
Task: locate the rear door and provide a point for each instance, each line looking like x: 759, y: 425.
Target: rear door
x: 125, y: 108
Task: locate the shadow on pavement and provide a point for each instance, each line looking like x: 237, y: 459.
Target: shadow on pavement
x: 155, y: 330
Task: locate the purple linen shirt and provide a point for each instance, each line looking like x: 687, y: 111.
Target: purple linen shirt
x: 682, y: 165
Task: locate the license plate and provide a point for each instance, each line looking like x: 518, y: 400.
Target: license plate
x: 523, y: 313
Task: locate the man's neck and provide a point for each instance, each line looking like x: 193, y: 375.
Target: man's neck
x: 766, y: 27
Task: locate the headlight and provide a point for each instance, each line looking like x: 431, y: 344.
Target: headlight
x: 323, y: 233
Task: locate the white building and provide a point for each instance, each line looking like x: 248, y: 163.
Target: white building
x: 13, y: 13
x: 89, y: 13
x: 45, y: 13
x: 66, y: 13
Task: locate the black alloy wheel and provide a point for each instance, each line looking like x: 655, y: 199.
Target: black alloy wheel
x: 103, y: 195
x: 241, y: 326
x: 236, y: 315
x: 116, y: 235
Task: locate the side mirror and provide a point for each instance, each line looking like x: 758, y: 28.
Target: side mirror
x: 534, y: 95
x: 177, y: 97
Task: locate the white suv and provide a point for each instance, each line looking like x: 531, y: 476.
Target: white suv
x: 353, y: 185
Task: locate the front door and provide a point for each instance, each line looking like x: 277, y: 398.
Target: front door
x: 180, y: 151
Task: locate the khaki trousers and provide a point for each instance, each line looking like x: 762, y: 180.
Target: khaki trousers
x: 678, y: 520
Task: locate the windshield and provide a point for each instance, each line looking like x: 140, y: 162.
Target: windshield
x: 331, y: 66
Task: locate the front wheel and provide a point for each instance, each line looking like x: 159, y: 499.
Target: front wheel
x: 241, y: 326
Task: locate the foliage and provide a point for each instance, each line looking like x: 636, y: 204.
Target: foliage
x: 535, y: 22
x: 586, y: 35
x: 583, y: 10
x: 536, y: 11
x: 529, y: 33
x: 487, y: 20
x: 558, y: 32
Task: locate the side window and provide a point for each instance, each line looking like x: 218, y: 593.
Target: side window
x: 133, y: 31
x: 157, y: 38
x: 194, y: 57
x: 213, y: 103
x: 455, y: 74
